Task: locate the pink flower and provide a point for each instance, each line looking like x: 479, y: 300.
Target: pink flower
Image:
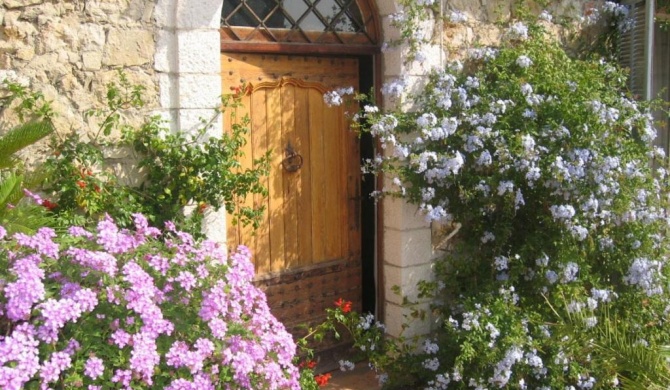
x: 94, y: 367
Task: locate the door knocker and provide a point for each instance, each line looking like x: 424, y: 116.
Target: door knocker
x: 293, y: 160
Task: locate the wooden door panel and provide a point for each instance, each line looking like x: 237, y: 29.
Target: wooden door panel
x: 307, y: 250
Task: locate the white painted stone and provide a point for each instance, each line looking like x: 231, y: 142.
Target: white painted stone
x: 387, y: 7
x: 395, y: 316
x: 165, y: 59
x: 392, y: 61
x: 400, y: 215
x: 214, y: 226
x: 192, y: 120
x: 406, y: 279
x: 169, y: 118
x: 428, y: 57
x: 206, y: 14
x: 195, y: 49
x: 389, y: 32
x: 168, y: 92
x: 407, y: 248
x: 128, y: 47
x: 165, y: 14
x: 199, y: 90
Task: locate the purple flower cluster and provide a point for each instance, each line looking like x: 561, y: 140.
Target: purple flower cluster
x: 136, y: 309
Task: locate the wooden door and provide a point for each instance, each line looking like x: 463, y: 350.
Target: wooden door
x: 307, y: 250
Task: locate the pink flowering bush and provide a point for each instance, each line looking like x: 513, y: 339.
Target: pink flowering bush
x: 135, y: 309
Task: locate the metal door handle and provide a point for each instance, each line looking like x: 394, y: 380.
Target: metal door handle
x: 293, y: 160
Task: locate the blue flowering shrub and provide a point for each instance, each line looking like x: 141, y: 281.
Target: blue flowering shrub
x: 558, y: 278
x: 140, y: 309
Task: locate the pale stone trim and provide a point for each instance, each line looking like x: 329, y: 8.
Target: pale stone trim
x: 188, y: 65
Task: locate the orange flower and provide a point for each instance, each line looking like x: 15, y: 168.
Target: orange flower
x: 345, y: 306
x: 81, y: 183
x: 322, y: 379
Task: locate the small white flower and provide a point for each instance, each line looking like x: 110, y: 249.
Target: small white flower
x: 346, y: 365
x: 518, y: 31
x: 524, y: 61
x: 458, y: 17
x: 431, y: 364
x: 488, y: 236
x: 545, y: 15
x: 429, y: 347
x: 505, y: 186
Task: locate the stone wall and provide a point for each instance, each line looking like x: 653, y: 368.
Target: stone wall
x: 71, y: 49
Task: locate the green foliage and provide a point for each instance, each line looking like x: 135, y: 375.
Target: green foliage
x: 543, y: 160
x: 200, y: 169
x: 178, y: 169
x: 15, y: 214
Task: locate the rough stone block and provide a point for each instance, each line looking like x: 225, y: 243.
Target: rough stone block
x: 20, y: 3
x: 128, y: 47
x: 91, y: 36
x: 199, y: 51
x: 91, y: 60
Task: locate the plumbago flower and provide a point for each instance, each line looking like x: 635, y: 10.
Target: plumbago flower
x: 135, y: 309
x: 544, y: 160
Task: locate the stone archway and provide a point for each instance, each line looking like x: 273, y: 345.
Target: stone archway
x: 188, y: 67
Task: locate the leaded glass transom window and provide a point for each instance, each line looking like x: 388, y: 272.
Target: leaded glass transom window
x: 299, y: 21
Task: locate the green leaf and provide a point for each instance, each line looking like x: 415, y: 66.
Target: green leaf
x: 21, y: 137
x: 10, y: 189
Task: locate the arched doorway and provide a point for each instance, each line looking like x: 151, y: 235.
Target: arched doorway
x: 317, y: 242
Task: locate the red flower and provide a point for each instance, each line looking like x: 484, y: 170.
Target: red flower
x: 81, y: 183
x: 345, y: 306
x: 310, y: 364
x: 322, y: 379
x: 49, y: 205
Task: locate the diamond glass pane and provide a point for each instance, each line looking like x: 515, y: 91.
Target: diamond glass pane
x: 295, y: 9
x: 305, y: 15
x: 235, y: 13
x: 328, y: 9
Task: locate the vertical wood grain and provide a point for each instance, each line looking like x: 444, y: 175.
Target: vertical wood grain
x: 304, y: 187
x: 290, y: 209
x: 318, y: 179
x: 259, y: 141
x: 276, y: 180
